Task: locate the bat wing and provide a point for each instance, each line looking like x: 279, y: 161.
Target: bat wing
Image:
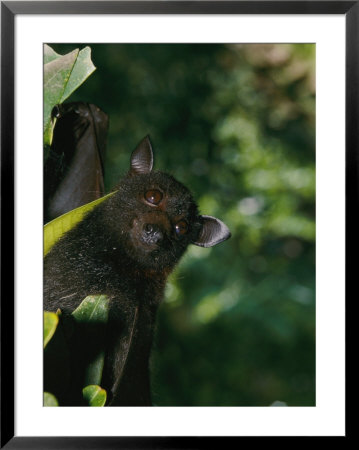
x: 126, y: 371
x: 74, y: 170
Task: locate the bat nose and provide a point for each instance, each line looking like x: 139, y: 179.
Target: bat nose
x: 152, y: 233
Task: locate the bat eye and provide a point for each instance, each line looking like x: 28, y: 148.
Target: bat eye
x: 154, y: 197
x: 181, y: 227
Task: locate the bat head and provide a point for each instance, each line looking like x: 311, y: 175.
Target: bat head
x: 159, y: 217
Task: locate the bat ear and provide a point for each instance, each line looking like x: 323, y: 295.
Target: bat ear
x: 213, y: 232
x: 142, y: 157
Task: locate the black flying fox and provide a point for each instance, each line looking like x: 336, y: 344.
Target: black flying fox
x: 125, y: 248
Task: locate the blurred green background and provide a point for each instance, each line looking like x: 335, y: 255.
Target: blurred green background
x: 236, y: 124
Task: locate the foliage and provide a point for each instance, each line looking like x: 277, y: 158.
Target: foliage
x: 80, y: 338
x: 94, y: 395
x: 58, y: 227
x: 63, y: 74
x: 236, y: 124
x: 50, y: 400
x: 51, y: 321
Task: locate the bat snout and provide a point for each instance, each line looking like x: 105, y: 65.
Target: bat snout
x: 152, y: 233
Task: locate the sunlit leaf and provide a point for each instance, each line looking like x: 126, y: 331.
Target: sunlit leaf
x: 62, y: 76
x: 56, y: 75
x: 94, y: 395
x: 49, y: 54
x: 59, y: 226
x: 51, y: 321
x: 50, y: 400
x: 82, y: 69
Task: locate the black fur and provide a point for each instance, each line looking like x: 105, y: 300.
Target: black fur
x: 126, y: 248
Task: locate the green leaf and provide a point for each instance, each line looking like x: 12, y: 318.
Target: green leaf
x: 93, y: 373
x: 56, y: 75
x: 50, y: 400
x: 93, y: 308
x: 59, y: 226
x: 51, y: 321
x: 94, y: 395
x: 63, y: 74
x: 82, y: 69
x: 49, y: 54
x: 93, y: 311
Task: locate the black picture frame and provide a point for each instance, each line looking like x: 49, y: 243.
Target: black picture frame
x: 9, y: 9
